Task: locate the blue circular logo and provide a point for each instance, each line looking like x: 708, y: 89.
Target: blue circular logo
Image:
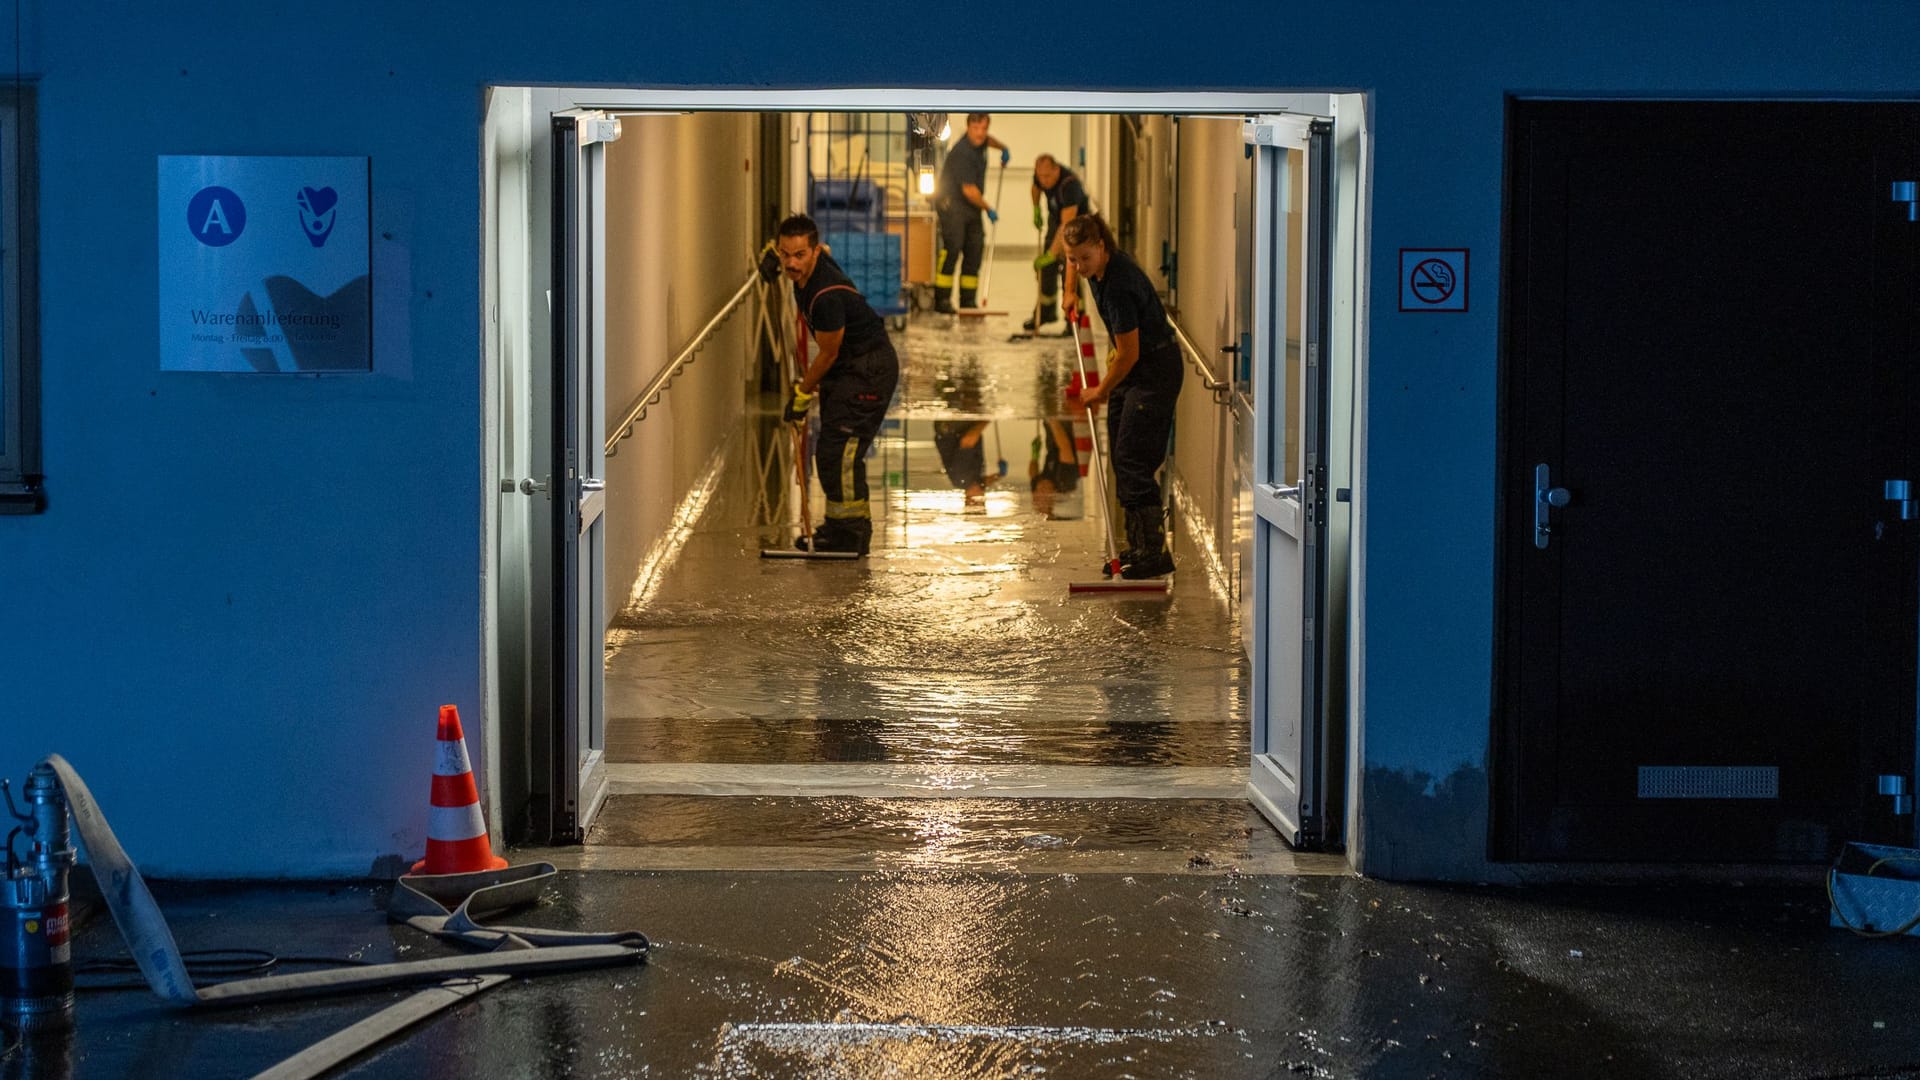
x: 216, y: 216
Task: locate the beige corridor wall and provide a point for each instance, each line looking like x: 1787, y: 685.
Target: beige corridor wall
x: 1212, y: 163
x: 681, y: 213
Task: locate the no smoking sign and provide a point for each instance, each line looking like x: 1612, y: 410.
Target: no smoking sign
x: 1433, y: 279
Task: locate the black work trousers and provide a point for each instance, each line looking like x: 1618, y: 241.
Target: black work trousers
x: 962, y: 239
x: 853, y: 403
x: 1050, y: 273
x: 1139, y: 422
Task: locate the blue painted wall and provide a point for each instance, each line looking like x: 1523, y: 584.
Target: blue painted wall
x: 249, y: 593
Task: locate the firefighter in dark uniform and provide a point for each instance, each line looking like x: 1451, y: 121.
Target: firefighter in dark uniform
x: 853, y: 372
x: 1141, y: 386
x: 1066, y: 200
x: 961, y: 199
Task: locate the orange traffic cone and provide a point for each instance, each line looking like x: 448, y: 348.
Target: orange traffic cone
x: 456, y: 833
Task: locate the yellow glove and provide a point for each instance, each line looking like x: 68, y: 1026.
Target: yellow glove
x: 797, y: 404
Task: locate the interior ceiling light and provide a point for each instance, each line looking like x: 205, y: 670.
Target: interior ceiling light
x: 930, y: 125
x: 926, y: 179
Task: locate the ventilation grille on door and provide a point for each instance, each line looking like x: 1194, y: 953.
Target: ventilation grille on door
x: 1709, y: 782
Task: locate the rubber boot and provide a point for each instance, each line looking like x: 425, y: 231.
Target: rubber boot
x: 1126, y: 554
x: 831, y: 535
x: 943, y: 304
x: 967, y: 299
x: 860, y: 532
x: 1151, y: 557
x: 1047, y: 315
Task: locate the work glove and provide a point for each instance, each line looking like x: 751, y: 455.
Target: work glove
x: 1044, y: 260
x: 1039, y: 217
x: 1006, y: 155
x: 796, y: 409
x: 769, y: 264
x: 993, y: 215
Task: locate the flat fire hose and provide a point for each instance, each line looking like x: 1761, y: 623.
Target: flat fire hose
x: 517, y: 951
x: 349, y: 1042
x: 421, y: 901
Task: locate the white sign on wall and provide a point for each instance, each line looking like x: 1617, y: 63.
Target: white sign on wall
x: 264, y: 264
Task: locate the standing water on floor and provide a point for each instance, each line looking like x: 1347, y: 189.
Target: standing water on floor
x: 951, y: 662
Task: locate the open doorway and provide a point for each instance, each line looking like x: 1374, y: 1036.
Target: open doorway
x: 950, y: 660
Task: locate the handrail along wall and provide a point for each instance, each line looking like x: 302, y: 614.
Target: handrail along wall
x: 658, y: 386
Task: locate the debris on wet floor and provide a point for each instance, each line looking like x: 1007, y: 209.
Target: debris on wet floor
x: 966, y: 974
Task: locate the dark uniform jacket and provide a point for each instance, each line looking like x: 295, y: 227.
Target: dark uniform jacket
x: 1066, y: 191
x: 829, y: 302
x: 965, y: 164
x: 1127, y: 301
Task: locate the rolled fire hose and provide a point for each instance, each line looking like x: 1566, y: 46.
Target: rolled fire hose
x: 419, y: 902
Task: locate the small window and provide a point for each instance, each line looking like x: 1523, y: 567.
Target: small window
x: 20, y: 490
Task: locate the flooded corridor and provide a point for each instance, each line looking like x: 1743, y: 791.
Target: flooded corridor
x: 944, y: 701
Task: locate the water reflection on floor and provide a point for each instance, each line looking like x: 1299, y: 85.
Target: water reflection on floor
x: 956, y: 641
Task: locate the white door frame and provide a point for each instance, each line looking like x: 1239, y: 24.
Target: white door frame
x: 1347, y: 347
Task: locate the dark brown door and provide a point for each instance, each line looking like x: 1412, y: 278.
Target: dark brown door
x: 1709, y: 337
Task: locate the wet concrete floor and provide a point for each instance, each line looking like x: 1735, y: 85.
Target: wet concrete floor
x: 945, y: 973
x: 770, y: 713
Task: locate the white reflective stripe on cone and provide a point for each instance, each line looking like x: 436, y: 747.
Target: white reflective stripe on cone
x: 455, y: 822
x: 452, y: 759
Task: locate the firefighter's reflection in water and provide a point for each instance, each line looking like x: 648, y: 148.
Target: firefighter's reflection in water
x: 1053, y: 466
x: 961, y: 440
x: 1053, y: 469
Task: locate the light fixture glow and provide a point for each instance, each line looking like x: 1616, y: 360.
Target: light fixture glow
x: 926, y: 179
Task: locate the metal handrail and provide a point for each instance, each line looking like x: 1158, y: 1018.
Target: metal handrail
x: 1220, y: 388
x: 651, y: 395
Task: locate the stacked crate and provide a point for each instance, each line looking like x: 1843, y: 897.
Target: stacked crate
x: 872, y: 260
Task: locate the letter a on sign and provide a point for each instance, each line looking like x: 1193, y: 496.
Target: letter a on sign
x: 215, y: 216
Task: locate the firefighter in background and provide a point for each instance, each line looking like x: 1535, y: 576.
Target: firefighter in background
x: 961, y: 200
x: 1140, y: 388
x: 853, y: 371
x: 1066, y: 199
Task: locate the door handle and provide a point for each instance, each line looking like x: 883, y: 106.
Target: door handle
x: 590, y: 484
x: 1546, y: 499
x: 1279, y: 492
x: 525, y: 487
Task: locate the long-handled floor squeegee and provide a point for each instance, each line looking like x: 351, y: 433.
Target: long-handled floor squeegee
x: 1113, y: 583
x: 980, y: 309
